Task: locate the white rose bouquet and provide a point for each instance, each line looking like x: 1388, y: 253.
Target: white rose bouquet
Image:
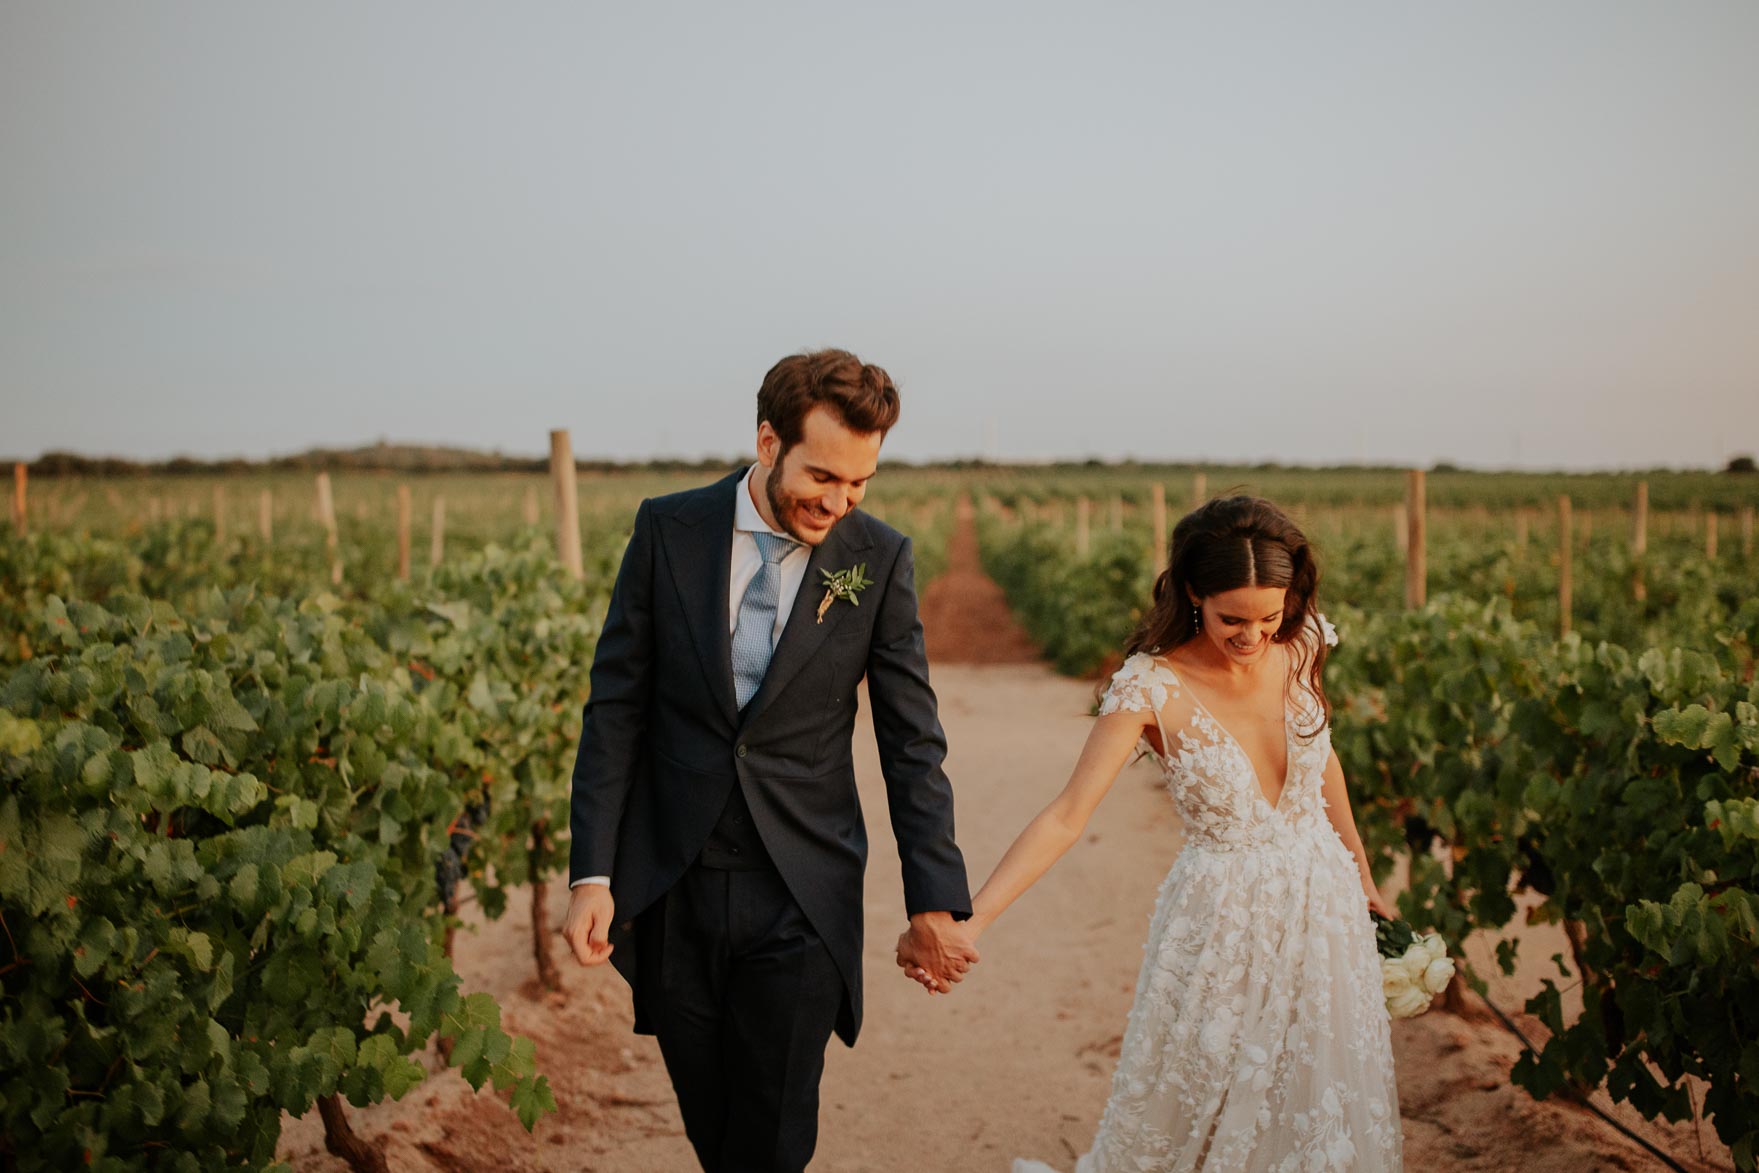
x: 1413, y: 969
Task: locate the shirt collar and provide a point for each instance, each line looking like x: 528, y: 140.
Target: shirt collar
x: 746, y: 518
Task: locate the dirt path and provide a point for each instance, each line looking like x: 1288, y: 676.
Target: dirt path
x: 1018, y: 1060
x: 965, y: 618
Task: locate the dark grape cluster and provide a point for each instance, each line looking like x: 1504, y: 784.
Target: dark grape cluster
x: 449, y: 868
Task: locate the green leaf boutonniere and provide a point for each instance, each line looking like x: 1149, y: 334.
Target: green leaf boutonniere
x: 843, y: 584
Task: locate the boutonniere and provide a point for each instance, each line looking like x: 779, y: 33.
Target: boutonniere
x: 845, y: 585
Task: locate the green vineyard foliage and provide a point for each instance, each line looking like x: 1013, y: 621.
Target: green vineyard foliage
x: 220, y: 832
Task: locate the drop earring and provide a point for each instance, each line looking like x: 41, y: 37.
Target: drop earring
x: 1196, y: 618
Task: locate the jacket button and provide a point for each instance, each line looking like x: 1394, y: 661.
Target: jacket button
x: 741, y: 751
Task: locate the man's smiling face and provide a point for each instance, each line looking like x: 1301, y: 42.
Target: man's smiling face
x: 818, y: 481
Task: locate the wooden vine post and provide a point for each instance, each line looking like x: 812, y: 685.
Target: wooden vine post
x: 1416, y: 551
x: 1565, y: 583
x: 403, y: 527
x: 327, y: 518
x: 437, y: 543
x: 1158, y: 513
x: 568, y: 550
x: 20, y: 481
x: 1640, y: 542
x: 567, y: 503
x: 1199, y: 489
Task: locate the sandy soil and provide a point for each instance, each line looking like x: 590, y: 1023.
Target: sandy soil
x: 1018, y: 1060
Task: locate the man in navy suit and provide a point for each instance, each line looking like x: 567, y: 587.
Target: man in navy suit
x: 718, y: 844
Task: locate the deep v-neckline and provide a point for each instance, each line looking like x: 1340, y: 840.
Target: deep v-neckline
x: 1257, y: 779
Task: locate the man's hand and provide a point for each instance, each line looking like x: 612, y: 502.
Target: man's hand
x: 936, y: 951
x: 588, y: 923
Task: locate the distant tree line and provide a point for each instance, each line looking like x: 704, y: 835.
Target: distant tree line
x: 409, y: 458
x: 376, y: 458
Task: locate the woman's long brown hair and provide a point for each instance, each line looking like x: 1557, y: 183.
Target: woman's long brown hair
x: 1234, y: 542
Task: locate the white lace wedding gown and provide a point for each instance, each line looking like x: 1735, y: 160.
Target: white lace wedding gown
x: 1259, y: 1038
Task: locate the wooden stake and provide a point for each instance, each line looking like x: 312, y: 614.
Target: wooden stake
x: 567, y: 502
x: 266, y: 516
x: 327, y: 518
x: 1158, y: 518
x: 437, y: 545
x: 1199, y: 489
x: 1416, y: 540
x: 1640, y: 541
x: 1640, y: 521
x: 403, y: 510
x: 1083, y: 527
x: 21, y: 476
x: 1565, y: 583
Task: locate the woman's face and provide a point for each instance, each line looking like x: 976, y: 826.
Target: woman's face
x: 1241, y: 622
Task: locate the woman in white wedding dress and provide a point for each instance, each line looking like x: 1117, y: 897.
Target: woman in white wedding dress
x: 1259, y: 1037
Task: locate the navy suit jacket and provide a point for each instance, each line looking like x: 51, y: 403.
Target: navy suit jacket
x: 662, y: 741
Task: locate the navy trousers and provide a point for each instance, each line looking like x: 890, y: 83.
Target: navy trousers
x: 743, y: 996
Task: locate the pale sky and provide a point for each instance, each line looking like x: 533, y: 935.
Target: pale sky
x: 1491, y: 233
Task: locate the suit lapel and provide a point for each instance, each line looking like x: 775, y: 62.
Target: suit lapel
x: 699, y: 551
x: 803, y: 633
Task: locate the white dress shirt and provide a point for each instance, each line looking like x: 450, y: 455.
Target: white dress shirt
x: 746, y: 559
x: 746, y: 563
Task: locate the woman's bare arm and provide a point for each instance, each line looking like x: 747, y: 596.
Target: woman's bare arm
x: 1056, y: 828
x: 1337, y: 809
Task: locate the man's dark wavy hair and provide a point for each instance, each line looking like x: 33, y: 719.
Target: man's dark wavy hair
x: 861, y: 395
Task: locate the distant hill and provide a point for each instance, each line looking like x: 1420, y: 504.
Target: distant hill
x: 380, y: 457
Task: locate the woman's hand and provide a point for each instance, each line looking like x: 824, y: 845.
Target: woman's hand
x: 1376, y: 904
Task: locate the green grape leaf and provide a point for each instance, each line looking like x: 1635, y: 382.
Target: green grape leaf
x: 532, y: 1098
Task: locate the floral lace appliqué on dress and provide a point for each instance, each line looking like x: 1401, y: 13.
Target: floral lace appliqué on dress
x: 1258, y: 1041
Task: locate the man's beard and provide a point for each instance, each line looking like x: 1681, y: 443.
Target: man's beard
x: 784, y: 507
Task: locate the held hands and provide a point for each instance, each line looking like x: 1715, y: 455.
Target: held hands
x: 936, y: 951
x: 587, y: 926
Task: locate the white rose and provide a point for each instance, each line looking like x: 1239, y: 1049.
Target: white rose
x: 1415, y: 961
x: 1434, y: 946
x: 1438, y: 975
x: 1407, y: 1003
x: 1394, y: 977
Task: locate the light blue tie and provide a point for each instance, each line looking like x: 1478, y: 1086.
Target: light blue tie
x: 757, y: 618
